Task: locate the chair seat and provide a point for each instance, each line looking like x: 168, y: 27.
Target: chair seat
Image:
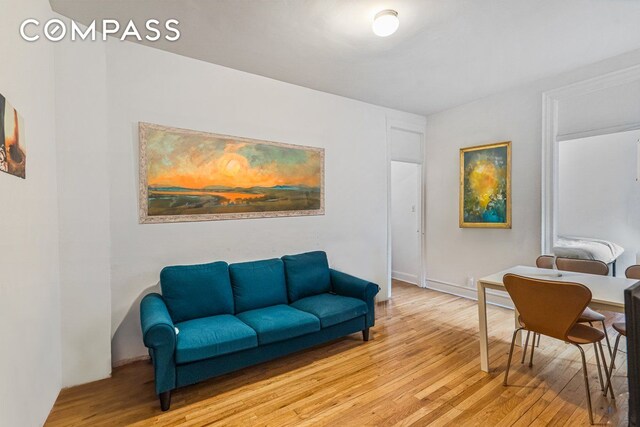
x: 579, y: 334
x: 279, y: 323
x: 589, y: 315
x: 332, y: 309
x: 213, y: 336
x: 621, y: 328
x: 583, y: 334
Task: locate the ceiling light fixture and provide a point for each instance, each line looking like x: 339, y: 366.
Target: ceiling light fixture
x: 385, y: 23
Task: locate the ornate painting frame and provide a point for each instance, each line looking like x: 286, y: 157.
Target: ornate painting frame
x: 144, y: 129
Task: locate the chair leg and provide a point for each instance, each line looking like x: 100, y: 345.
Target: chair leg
x: 607, y: 372
x: 365, y: 334
x: 586, y: 382
x: 526, y: 345
x: 598, y: 359
x: 165, y: 400
x: 606, y: 336
x: 533, y: 346
x: 513, y: 342
x: 615, y: 352
x: 538, y: 345
x: 595, y: 348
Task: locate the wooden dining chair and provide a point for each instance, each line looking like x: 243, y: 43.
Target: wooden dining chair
x: 553, y: 308
x: 588, y: 316
x: 545, y: 261
x: 588, y: 266
x: 632, y: 272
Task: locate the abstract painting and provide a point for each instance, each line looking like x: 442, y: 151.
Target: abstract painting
x: 13, y: 155
x: 485, y: 186
x: 188, y: 175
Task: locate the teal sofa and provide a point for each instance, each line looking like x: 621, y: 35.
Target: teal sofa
x: 215, y: 318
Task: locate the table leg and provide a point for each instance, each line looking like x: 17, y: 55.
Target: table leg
x: 484, y: 337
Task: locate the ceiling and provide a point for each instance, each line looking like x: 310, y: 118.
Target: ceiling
x: 445, y: 53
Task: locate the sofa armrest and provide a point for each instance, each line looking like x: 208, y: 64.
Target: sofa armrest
x: 351, y: 286
x: 159, y: 334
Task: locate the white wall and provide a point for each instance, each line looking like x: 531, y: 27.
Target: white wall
x: 83, y: 183
x: 603, y: 110
x: 97, y: 261
x: 599, y: 196
x: 29, y: 286
x: 405, y: 221
x: 455, y: 255
x: 153, y: 86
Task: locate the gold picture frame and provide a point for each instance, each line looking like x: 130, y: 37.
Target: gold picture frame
x: 485, y: 186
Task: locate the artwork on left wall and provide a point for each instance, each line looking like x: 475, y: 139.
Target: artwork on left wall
x: 13, y: 155
x: 188, y: 175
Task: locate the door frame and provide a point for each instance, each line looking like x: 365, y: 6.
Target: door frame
x: 420, y: 130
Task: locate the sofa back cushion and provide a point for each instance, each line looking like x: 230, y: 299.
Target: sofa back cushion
x: 195, y: 291
x: 307, y: 274
x: 258, y: 284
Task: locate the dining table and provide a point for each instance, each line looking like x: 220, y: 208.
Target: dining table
x: 607, y: 295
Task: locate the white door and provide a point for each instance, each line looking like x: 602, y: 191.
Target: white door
x: 406, y: 202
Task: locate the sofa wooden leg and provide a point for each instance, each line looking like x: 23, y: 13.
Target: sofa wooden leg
x: 365, y: 334
x: 165, y: 400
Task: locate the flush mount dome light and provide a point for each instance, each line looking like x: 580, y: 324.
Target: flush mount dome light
x: 385, y: 23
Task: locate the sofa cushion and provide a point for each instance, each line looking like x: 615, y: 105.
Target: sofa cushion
x: 193, y: 291
x: 307, y: 274
x: 332, y: 309
x: 258, y: 284
x: 279, y: 323
x: 213, y: 336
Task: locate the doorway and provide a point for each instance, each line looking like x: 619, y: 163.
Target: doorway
x: 599, y: 191
x: 406, y: 227
x: 405, y: 204
x: 603, y: 105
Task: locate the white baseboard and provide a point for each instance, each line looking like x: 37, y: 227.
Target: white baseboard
x: 405, y: 277
x: 130, y: 360
x: 493, y: 297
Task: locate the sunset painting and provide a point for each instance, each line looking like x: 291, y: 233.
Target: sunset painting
x: 485, y: 186
x: 13, y: 156
x: 196, y: 176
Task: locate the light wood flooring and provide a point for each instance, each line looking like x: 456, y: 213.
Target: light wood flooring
x: 421, y: 367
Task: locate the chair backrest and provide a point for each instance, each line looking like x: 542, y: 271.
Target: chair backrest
x: 545, y: 261
x: 548, y: 307
x: 633, y: 272
x: 589, y: 266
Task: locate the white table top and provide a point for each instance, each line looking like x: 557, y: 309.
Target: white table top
x: 604, y: 289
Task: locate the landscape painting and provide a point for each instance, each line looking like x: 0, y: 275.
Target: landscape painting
x: 485, y: 186
x: 197, y: 176
x: 13, y: 155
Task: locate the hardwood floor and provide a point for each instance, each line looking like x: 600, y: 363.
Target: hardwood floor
x: 421, y: 367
